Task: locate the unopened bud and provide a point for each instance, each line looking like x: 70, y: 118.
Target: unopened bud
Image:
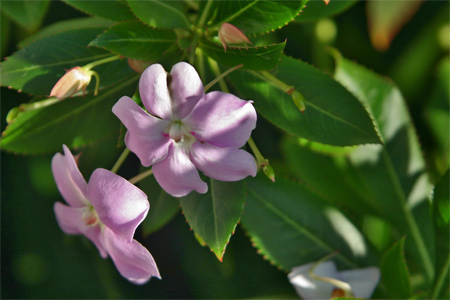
x: 269, y: 172
x: 326, y: 1
x: 12, y: 115
x: 137, y: 65
x: 230, y: 35
x: 75, y: 80
x: 299, y: 100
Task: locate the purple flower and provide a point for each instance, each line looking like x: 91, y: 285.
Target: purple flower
x: 185, y: 130
x: 106, y: 210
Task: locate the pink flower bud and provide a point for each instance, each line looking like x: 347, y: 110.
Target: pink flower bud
x: 326, y: 1
x: 75, y: 80
x: 229, y: 34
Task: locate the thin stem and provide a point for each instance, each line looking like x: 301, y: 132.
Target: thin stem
x: 221, y: 76
x: 39, y: 104
x: 97, y: 82
x: 259, y: 157
x: 440, y: 280
x: 120, y: 160
x: 215, y: 67
x: 193, y: 48
x: 141, y: 176
x: 100, y: 62
x: 202, y: 19
x: 276, y: 82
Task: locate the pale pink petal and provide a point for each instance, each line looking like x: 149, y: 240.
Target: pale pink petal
x: 222, y: 119
x: 363, y: 281
x: 309, y: 288
x: 70, y: 219
x: 68, y: 178
x: 177, y: 175
x: 120, y: 205
x: 225, y: 164
x: 133, y: 260
x: 145, y: 136
x: 154, y: 92
x: 186, y: 89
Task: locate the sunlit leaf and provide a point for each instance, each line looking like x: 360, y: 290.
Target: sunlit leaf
x: 214, y: 215
x: 315, y: 10
x: 333, y: 115
x: 395, y: 173
x: 160, y: 14
x: 291, y: 226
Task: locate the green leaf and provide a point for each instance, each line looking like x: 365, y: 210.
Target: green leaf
x: 57, y: 27
x: 394, y: 272
x: 253, y: 17
x: 163, y: 207
x: 160, y: 14
x: 214, y: 215
x: 292, y: 226
x: 136, y: 40
x: 333, y: 115
x: 74, y: 122
x: 395, y: 173
x: 115, y: 10
x: 441, y: 217
x: 33, y: 70
x: 28, y: 14
x: 253, y: 58
x: 317, y: 9
x: 332, y: 176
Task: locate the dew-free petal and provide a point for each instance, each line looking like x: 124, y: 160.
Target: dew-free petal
x: 68, y: 178
x: 70, y: 219
x: 133, y: 260
x: 225, y: 164
x: 177, y: 175
x: 120, y: 205
x: 363, y: 281
x: 222, y: 119
x: 186, y: 89
x: 309, y: 288
x: 154, y: 92
x: 145, y: 135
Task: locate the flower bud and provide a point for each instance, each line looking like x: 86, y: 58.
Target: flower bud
x: 298, y: 99
x: 229, y: 34
x: 75, y: 80
x: 269, y: 172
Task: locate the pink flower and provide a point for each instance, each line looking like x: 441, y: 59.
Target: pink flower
x: 106, y: 210
x: 75, y: 80
x: 185, y: 130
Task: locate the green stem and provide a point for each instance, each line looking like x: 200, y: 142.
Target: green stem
x: 38, y: 104
x: 141, y: 176
x: 120, y: 161
x: 97, y: 82
x: 216, y: 70
x: 441, y: 279
x: 100, y: 62
x: 193, y: 48
x: 202, y: 19
x: 276, y: 82
x: 221, y: 76
x: 259, y: 157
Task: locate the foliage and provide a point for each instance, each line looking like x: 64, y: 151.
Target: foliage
x: 365, y: 148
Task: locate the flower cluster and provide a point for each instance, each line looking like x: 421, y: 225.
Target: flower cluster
x: 183, y: 130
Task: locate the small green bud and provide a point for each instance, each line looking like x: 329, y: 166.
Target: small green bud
x: 270, y: 173
x: 298, y: 99
x: 12, y: 115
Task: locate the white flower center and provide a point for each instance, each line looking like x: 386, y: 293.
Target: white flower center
x: 89, y: 216
x: 180, y: 134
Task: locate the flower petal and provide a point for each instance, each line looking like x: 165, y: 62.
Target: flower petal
x: 120, y: 205
x: 133, y: 260
x: 362, y: 281
x: 154, y: 92
x: 309, y: 288
x: 222, y: 120
x: 70, y: 219
x: 145, y: 136
x: 68, y: 178
x: 177, y: 175
x: 186, y: 89
x: 225, y: 164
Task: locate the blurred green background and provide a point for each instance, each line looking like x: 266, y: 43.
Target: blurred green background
x: 39, y: 261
